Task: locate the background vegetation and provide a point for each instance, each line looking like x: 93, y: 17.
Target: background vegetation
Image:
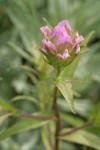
x: 20, y: 22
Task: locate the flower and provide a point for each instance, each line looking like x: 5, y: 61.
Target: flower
x: 60, y: 45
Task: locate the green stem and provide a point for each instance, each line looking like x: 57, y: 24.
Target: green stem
x: 87, y: 125
x: 57, y: 115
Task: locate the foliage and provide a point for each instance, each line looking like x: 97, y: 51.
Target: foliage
x: 25, y: 79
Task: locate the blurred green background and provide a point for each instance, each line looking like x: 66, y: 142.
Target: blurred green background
x: 20, y: 22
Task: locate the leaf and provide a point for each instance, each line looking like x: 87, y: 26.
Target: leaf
x: 47, y: 23
x: 7, y: 106
x: 47, y: 137
x: 70, y: 69
x: 84, y: 49
x: 70, y: 119
x: 66, y: 90
x: 24, y: 97
x: 82, y: 137
x: 20, y: 51
x: 32, y: 77
x: 87, y: 39
x: 95, y: 114
x: 4, y: 117
x: 27, y: 68
x: 83, y: 106
x: 22, y: 126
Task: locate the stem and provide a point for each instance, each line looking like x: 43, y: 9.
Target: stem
x: 57, y: 115
x: 87, y: 125
x: 26, y: 115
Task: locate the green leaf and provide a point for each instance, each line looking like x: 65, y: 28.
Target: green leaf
x: 27, y: 68
x: 66, y: 90
x: 87, y: 39
x: 33, y: 78
x: 47, y: 137
x: 84, y: 49
x: 95, y: 114
x: 22, y: 126
x: 47, y: 23
x: 82, y: 137
x: 70, y: 119
x: 24, y: 97
x: 21, y: 52
x: 4, y: 117
x: 69, y: 70
x: 7, y: 106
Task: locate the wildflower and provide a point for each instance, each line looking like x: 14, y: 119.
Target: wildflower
x: 60, y: 45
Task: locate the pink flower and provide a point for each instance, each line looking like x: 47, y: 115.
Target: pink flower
x: 62, y: 42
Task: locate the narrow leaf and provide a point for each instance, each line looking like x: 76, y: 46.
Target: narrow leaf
x: 27, y: 68
x: 66, y: 90
x: 87, y: 39
x: 82, y: 137
x: 32, y: 77
x: 48, y: 24
x: 47, y: 137
x: 24, y: 97
x: 7, y: 106
x: 22, y: 126
x: 70, y: 119
x: 21, y: 52
x: 84, y: 49
x: 4, y: 117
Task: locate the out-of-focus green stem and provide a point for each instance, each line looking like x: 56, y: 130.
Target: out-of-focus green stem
x: 57, y: 115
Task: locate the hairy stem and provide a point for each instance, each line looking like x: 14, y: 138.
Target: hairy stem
x: 57, y: 115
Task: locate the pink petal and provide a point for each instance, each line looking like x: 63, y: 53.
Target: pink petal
x: 66, y: 24
x: 66, y: 54
x: 81, y: 38
x: 61, y: 36
x: 48, y: 46
x: 59, y: 31
x: 77, y: 39
x: 77, y: 49
x: 60, y: 56
x: 63, y: 56
x: 46, y: 31
x: 63, y: 40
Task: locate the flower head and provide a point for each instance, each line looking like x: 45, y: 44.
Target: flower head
x: 62, y: 44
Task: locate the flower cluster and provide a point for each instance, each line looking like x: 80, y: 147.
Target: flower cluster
x: 61, y: 44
